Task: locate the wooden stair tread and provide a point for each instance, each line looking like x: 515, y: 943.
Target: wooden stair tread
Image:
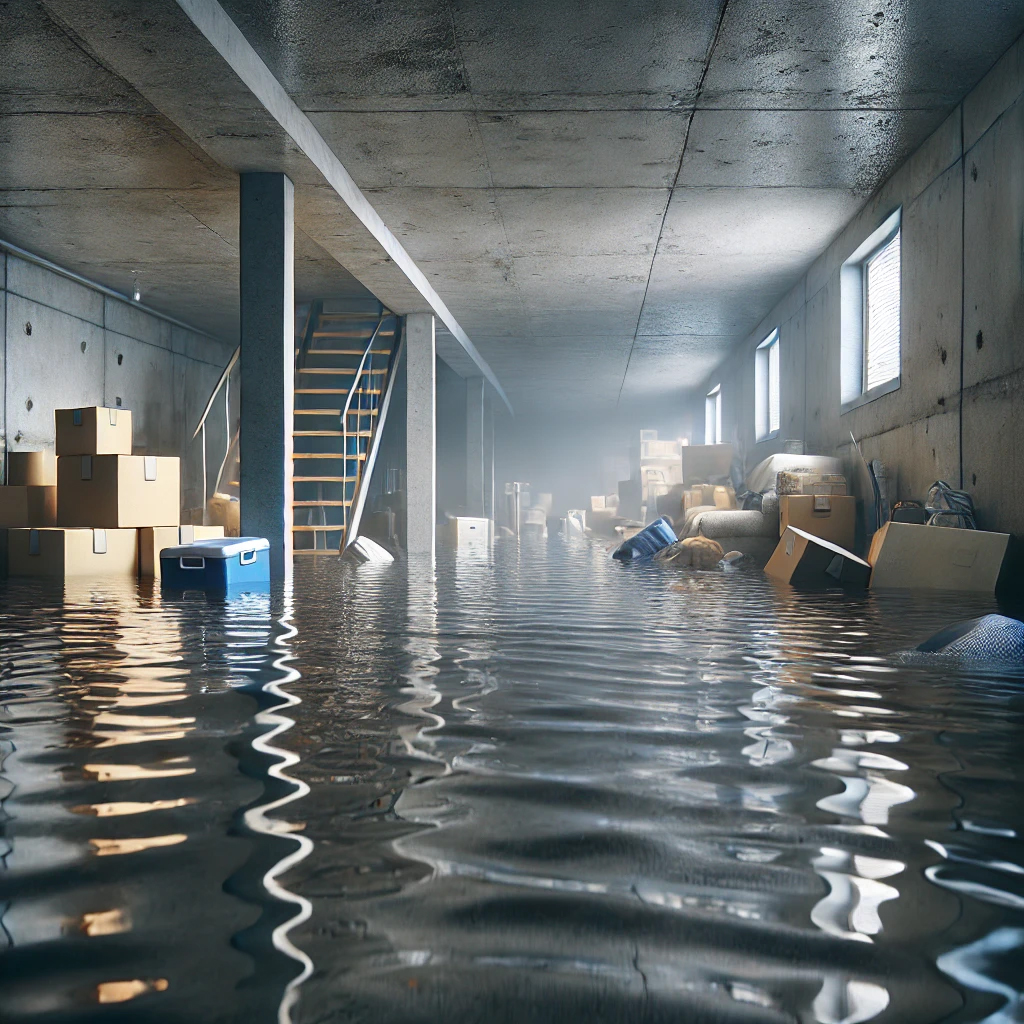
x: 321, y: 529
x: 318, y: 504
x: 321, y: 391
x: 325, y: 479
x: 328, y: 455
x: 317, y: 412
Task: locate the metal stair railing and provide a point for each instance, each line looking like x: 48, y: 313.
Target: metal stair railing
x: 365, y: 470
x: 230, y: 436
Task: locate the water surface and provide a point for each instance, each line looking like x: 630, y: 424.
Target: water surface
x: 538, y: 787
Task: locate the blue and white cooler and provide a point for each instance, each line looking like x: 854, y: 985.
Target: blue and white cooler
x: 219, y: 563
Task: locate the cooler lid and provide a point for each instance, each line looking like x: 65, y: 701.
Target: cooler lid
x: 217, y: 547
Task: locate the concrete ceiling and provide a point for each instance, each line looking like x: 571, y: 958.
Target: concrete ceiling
x: 607, y: 195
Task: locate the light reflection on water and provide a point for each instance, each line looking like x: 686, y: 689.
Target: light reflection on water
x: 545, y: 787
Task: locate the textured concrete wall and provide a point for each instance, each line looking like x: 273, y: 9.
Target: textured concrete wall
x: 64, y: 344
x: 962, y: 195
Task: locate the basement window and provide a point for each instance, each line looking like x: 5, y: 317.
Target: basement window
x: 870, y: 331
x: 766, y: 388
x: 713, y: 416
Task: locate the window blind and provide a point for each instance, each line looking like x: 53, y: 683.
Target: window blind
x: 713, y: 417
x: 773, y: 386
x: 882, y: 315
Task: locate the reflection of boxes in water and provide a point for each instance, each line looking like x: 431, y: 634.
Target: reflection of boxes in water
x: 153, y: 539
x: 218, y: 564
x: 93, y: 431
x: 28, y: 506
x: 61, y: 553
x: 470, y: 532
x: 31, y: 469
x: 116, y: 491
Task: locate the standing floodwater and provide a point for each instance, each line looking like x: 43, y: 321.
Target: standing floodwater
x: 542, y: 787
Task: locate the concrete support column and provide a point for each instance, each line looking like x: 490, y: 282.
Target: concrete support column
x: 421, y: 434
x: 267, y: 293
x: 476, y: 446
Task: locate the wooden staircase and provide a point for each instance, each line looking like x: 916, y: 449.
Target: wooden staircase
x: 344, y: 362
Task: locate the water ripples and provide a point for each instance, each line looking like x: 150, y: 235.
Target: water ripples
x: 541, y: 787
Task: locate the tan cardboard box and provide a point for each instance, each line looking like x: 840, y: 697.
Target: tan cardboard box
x: 936, y: 557
x: 31, y: 469
x: 153, y: 539
x: 93, y: 431
x: 118, y: 491
x: 725, y: 497
x: 28, y: 506
x: 803, y: 558
x: 800, y: 482
x: 829, y: 516
x: 63, y: 553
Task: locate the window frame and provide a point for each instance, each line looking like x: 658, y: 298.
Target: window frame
x: 713, y: 397
x: 853, y: 316
x: 763, y: 430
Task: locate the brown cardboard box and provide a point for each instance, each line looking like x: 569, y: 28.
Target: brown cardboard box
x: 725, y: 497
x: 117, y: 491
x: 153, y: 539
x: 28, y: 506
x: 597, y: 502
x: 936, y: 557
x: 799, y: 482
x: 829, y: 516
x: 31, y: 469
x: 803, y: 558
x: 63, y: 553
x: 93, y: 431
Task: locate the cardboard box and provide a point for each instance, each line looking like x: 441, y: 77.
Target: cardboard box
x: 936, y: 557
x: 701, y: 462
x: 31, y: 469
x: 655, y: 450
x: 62, y: 553
x: 724, y: 497
x: 28, y: 506
x: 803, y: 558
x: 799, y: 482
x: 829, y: 516
x: 118, y: 491
x: 597, y: 502
x: 701, y: 494
x: 93, y: 431
x: 467, y: 532
x: 153, y: 539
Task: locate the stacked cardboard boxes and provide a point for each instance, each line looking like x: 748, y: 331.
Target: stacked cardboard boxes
x: 99, y: 508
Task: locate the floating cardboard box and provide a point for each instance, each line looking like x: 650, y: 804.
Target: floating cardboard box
x: 31, y: 469
x: 153, y: 539
x: 28, y: 506
x: 61, y: 553
x: 803, y: 558
x: 936, y: 557
x: 829, y: 516
x: 93, y: 431
x: 118, y: 491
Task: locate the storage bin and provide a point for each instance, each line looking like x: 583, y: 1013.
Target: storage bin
x: 221, y: 563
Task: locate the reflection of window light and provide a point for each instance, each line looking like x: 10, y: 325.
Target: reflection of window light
x: 713, y: 416
x: 767, y: 414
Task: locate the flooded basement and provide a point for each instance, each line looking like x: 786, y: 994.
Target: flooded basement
x: 546, y: 787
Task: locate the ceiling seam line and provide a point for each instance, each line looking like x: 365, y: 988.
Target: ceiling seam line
x: 668, y: 204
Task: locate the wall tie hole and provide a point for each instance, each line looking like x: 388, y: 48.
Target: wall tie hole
x: 28, y: 405
x: 120, y: 358
x: 28, y: 327
x: 84, y: 345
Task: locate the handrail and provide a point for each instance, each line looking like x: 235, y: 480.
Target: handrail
x: 359, y: 495
x: 216, y: 391
x: 345, y: 413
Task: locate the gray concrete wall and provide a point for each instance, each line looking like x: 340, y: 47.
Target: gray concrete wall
x: 962, y: 195
x: 88, y: 348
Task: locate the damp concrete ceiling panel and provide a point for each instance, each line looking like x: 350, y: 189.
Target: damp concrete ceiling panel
x: 828, y: 54
x: 443, y: 223
x: 582, y: 282
x: 582, y: 221
x: 596, y: 323
x: 534, y: 54
x: 438, y: 149
x: 589, y: 148
x: 659, y: 366
x: 854, y: 150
